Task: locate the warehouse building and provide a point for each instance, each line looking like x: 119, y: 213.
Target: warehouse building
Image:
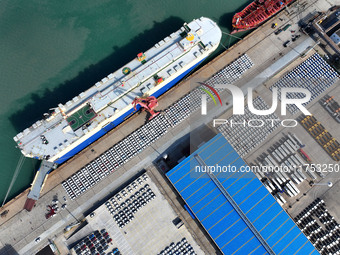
x: 235, y: 209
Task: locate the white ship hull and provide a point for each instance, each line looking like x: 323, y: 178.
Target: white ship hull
x: 191, y: 51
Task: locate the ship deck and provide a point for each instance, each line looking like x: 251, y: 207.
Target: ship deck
x: 111, y: 98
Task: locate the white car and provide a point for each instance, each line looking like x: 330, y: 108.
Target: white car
x: 37, y: 240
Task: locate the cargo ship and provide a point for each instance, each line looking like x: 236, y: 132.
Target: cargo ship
x: 71, y: 127
x: 256, y: 13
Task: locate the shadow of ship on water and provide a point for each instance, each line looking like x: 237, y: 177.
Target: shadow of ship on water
x: 89, y: 76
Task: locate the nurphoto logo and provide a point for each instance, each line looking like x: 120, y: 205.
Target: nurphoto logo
x: 204, y: 97
x: 238, y: 99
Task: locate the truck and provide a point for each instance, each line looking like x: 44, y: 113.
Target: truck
x: 304, y: 155
x: 299, y: 159
x: 265, y: 183
x: 272, y: 161
x: 292, y: 142
x: 295, y: 178
x: 286, y: 27
x: 288, y: 190
x: 294, y: 160
x: 279, y: 154
x: 298, y: 141
x: 294, y: 187
x: 303, y: 176
x: 284, y: 148
x: 289, y: 147
x: 276, y: 156
x: 268, y: 162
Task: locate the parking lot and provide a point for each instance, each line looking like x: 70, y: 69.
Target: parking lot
x: 95, y: 243
x: 139, y: 220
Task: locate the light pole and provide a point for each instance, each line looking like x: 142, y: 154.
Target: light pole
x: 72, y: 215
x: 329, y: 184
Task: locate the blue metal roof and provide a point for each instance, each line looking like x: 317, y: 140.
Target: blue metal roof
x: 237, y: 211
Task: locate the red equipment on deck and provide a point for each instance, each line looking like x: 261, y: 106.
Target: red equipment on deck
x: 256, y: 13
x: 148, y: 104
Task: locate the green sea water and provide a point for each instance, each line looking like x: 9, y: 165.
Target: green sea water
x: 50, y: 51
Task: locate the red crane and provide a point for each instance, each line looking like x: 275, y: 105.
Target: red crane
x: 51, y: 212
x: 148, y: 104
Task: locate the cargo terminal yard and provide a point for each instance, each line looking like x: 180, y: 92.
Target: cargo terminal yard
x: 153, y: 224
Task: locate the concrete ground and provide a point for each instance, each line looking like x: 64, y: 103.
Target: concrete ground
x: 20, y: 228
x: 315, y: 152
x: 149, y: 232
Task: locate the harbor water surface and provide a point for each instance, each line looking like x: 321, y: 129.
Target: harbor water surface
x: 52, y: 51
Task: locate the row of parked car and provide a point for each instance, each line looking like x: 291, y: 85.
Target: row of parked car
x: 94, y: 244
x: 123, y: 213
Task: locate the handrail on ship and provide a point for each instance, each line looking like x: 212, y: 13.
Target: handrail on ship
x: 154, y: 61
x: 120, y: 81
x: 235, y: 206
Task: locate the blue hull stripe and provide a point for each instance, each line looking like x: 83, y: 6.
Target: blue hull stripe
x: 119, y: 120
